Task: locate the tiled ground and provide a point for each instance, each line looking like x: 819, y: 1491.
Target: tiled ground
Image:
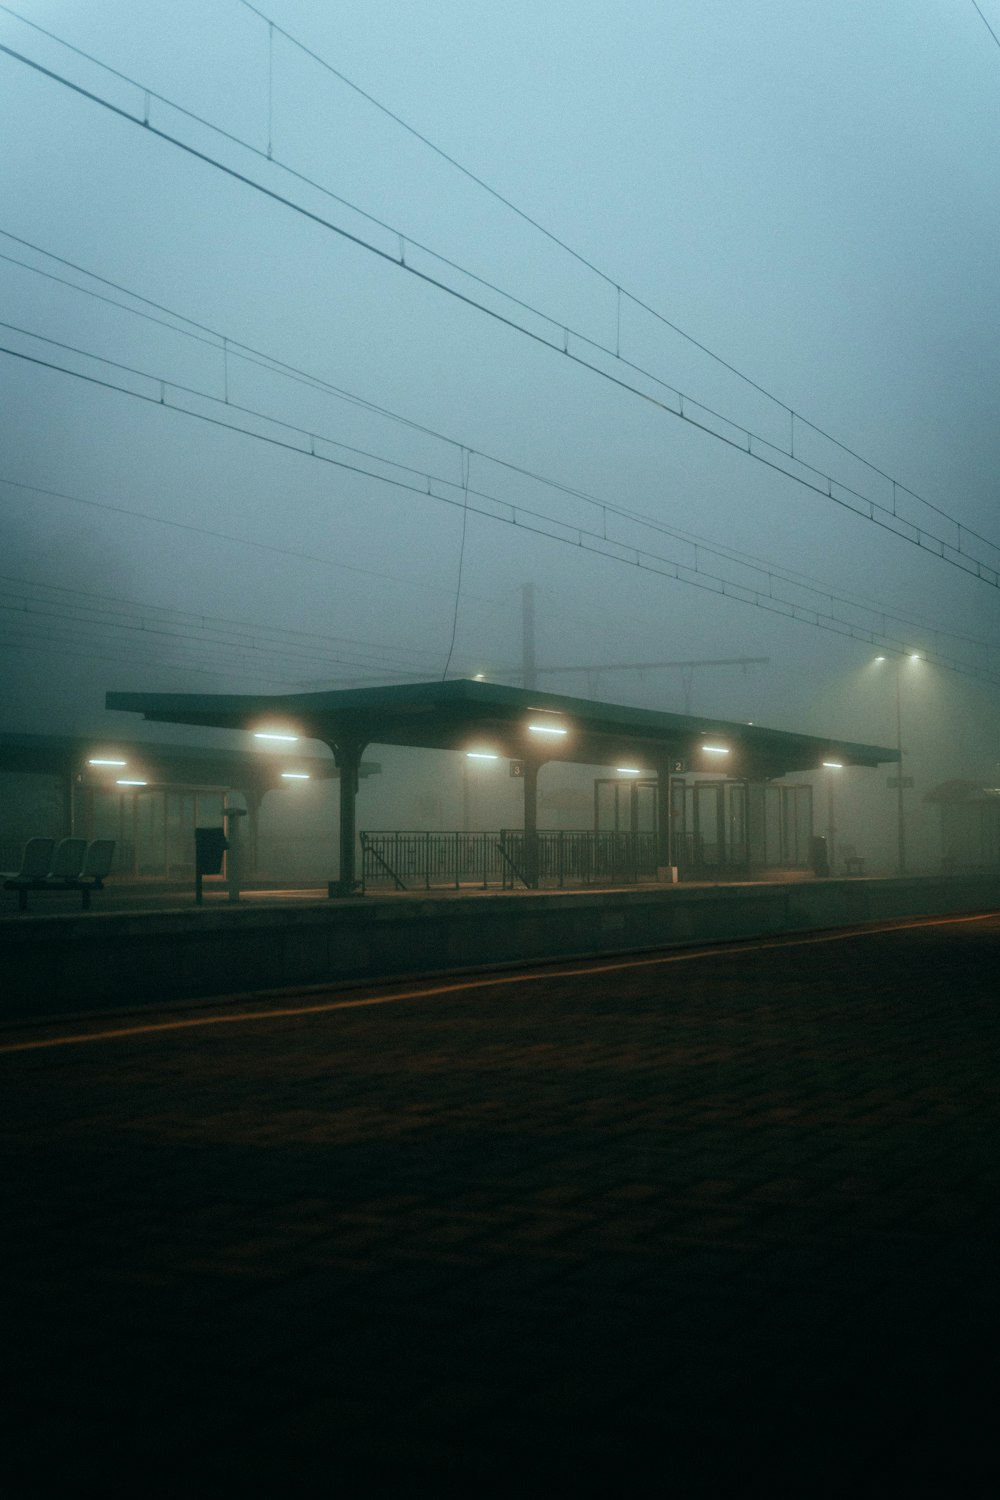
x: 721, y: 1225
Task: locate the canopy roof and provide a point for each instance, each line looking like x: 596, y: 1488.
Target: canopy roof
x: 527, y: 723
x: 159, y: 764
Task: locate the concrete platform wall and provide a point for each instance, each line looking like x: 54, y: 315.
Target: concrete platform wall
x: 59, y: 964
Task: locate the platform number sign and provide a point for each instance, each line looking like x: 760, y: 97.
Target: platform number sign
x: 677, y: 766
x: 516, y: 767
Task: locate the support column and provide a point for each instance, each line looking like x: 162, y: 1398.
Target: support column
x: 664, y: 838
x: 347, y: 755
x: 69, y: 810
x: 253, y: 796
x: 531, y: 770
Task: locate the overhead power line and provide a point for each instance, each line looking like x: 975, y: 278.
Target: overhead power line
x: 57, y: 614
x: 885, y: 513
x: 114, y: 611
x: 611, y: 282
x: 521, y: 517
x: 215, y: 339
x: 986, y: 23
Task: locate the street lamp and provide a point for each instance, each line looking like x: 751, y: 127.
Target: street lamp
x: 900, y: 814
x: 831, y: 766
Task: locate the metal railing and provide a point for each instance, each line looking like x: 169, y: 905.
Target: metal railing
x: 414, y: 860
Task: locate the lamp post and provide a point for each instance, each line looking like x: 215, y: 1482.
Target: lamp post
x: 900, y: 818
x: 900, y: 810
x: 831, y: 831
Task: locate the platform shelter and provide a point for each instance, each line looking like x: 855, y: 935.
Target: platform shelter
x: 528, y: 726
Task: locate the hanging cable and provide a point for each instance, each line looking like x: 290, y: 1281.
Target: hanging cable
x: 466, y: 465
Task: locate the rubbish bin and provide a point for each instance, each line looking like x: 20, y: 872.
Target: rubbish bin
x: 818, y: 856
x: 210, y: 844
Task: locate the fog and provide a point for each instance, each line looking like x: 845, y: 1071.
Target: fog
x: 808, y: 192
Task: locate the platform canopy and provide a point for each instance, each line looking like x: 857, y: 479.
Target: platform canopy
x: 516, y: 722
x: 524, y: 724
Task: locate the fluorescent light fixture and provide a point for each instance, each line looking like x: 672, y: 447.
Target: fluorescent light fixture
x: 480, y: 755
x: 295, y: 775
x: 880, y: 658
x: 628, y: 770
x: 122, y: 781
x: 834, y: 765
x: 99, y: 760
x: 915, y: 656
x: 285, y: 739
x: 547, y: 729
x: 716, y: 749
x: 479, y: 677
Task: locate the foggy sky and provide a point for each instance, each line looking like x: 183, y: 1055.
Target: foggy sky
x: 810, y: 191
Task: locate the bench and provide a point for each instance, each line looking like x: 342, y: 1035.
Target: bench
x: 854, y: 864
x: 70, y: 865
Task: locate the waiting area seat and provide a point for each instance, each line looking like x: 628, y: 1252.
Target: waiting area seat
x: 70, y: 865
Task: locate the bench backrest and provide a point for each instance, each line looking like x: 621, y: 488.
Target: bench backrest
x: 97, y: 861
x: 68, y: 859
x: 36, y: 859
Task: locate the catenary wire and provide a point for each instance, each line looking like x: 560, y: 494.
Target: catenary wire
x: 226, y: 536
x: 609, y: 281
x: 529, y: 521
x: 238, y: 634
x: 766, y: 571
x: 217, y: 340
x: 986, y: 23
x: 214, y: 339
x: 821, y: 483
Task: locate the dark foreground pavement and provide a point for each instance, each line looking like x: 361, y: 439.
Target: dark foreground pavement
x: 714, y: 1225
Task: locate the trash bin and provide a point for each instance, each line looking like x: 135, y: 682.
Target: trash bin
x: 818, y: 856
x: 210, y: 844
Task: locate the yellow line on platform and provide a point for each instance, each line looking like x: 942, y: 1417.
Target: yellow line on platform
x: 233, y: 1018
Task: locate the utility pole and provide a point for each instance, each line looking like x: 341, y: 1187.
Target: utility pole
x: 900, y: 824
x: 529, y: 672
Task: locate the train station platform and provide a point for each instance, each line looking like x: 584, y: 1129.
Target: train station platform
x: 164, y: 948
